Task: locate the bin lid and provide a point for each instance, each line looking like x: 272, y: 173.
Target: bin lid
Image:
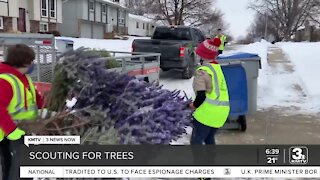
x: 239, y: 55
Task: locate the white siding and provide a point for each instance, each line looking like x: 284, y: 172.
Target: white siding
x: 36, y: 10
x: 98, y: 12
x: 31, y: 9
x: 104, y: 18
x: 3, y: 9
x: 91, y: 16
x: 59, y: 11
x: 71, y: 12
x: 85, y: 7
x: 133, y: 30
x: 113, y: 15
x: 151, y: 29
x: 13, y: 8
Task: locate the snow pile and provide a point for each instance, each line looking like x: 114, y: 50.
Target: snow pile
x: 306, y: 58
x: 109, y: 44
x: 278, y: 87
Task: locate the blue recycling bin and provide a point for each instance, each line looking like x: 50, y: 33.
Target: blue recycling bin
x: 235, y: 76
x: 251, y: 63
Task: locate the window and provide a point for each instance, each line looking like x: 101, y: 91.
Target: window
x: 91, y: 6
x: 104, y: 9
x: 121, y: 20
x: 172, y: 34
x: 137, y: 25
x: 44, y: 8
x: 44, y: 27
x: 1, y: 22
x: 143, y: 26
x: 53, y: 8
x: 48, y: 7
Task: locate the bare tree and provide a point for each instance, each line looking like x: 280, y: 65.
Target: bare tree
x: 286, y: 16
x: 139, y: 7
x: 191, y: 12
x: 314, y: 15
x: 264, y: 26
x: 196, y: 13
x: 212, y: 23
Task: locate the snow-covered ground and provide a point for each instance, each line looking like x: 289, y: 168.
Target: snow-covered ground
x: 275, y: 85
x: 110, y: 45
x: 306, y: 60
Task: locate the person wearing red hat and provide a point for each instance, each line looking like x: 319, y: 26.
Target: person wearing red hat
x: 212, y: 99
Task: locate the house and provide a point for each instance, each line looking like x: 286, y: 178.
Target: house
x: 141, y: 25
x: 31, y: 16
x: 310, y: 31
x: 93, y: 18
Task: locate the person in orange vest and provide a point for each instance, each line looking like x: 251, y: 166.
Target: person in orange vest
x: 19, y: 101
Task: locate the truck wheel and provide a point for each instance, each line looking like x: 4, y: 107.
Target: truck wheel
x: 243, y: 123
x: 188, y: 71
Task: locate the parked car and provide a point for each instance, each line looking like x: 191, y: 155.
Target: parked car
x: 176, y: 45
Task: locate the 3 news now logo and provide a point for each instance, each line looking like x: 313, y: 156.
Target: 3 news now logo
x: 298, y: 155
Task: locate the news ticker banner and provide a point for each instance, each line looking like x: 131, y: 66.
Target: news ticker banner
x: 62, y: 156
x: 169, y: 172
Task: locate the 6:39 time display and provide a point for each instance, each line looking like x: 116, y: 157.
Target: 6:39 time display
x: 272, y: 151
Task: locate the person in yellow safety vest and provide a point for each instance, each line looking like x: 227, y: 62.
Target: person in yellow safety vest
x: 19, y: 101
x: 223, y: 40
x: 212, y: 99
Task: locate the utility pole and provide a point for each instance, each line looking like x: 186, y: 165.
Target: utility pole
x: 266, y: 27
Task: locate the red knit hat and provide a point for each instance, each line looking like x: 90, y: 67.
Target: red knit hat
x: 208, y: 49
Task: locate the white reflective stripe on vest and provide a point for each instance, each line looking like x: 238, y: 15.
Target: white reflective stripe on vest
x: 217, y: 89
x: 217, y: 102
x: 23, y: 109
x: 18, y: 90
x: 216, y: 83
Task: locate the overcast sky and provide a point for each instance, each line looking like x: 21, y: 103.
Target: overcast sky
x: 237, y: 15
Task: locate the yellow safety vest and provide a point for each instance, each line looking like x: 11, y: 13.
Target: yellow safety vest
x: 223, y: 39
x: 214, y: 111
x: 16, y: 107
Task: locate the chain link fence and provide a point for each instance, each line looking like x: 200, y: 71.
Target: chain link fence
x: 44, y: 47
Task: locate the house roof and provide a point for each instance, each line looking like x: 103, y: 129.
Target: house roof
x: 154, y: 16
x: 115, y: 4
x: 141, y: 18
